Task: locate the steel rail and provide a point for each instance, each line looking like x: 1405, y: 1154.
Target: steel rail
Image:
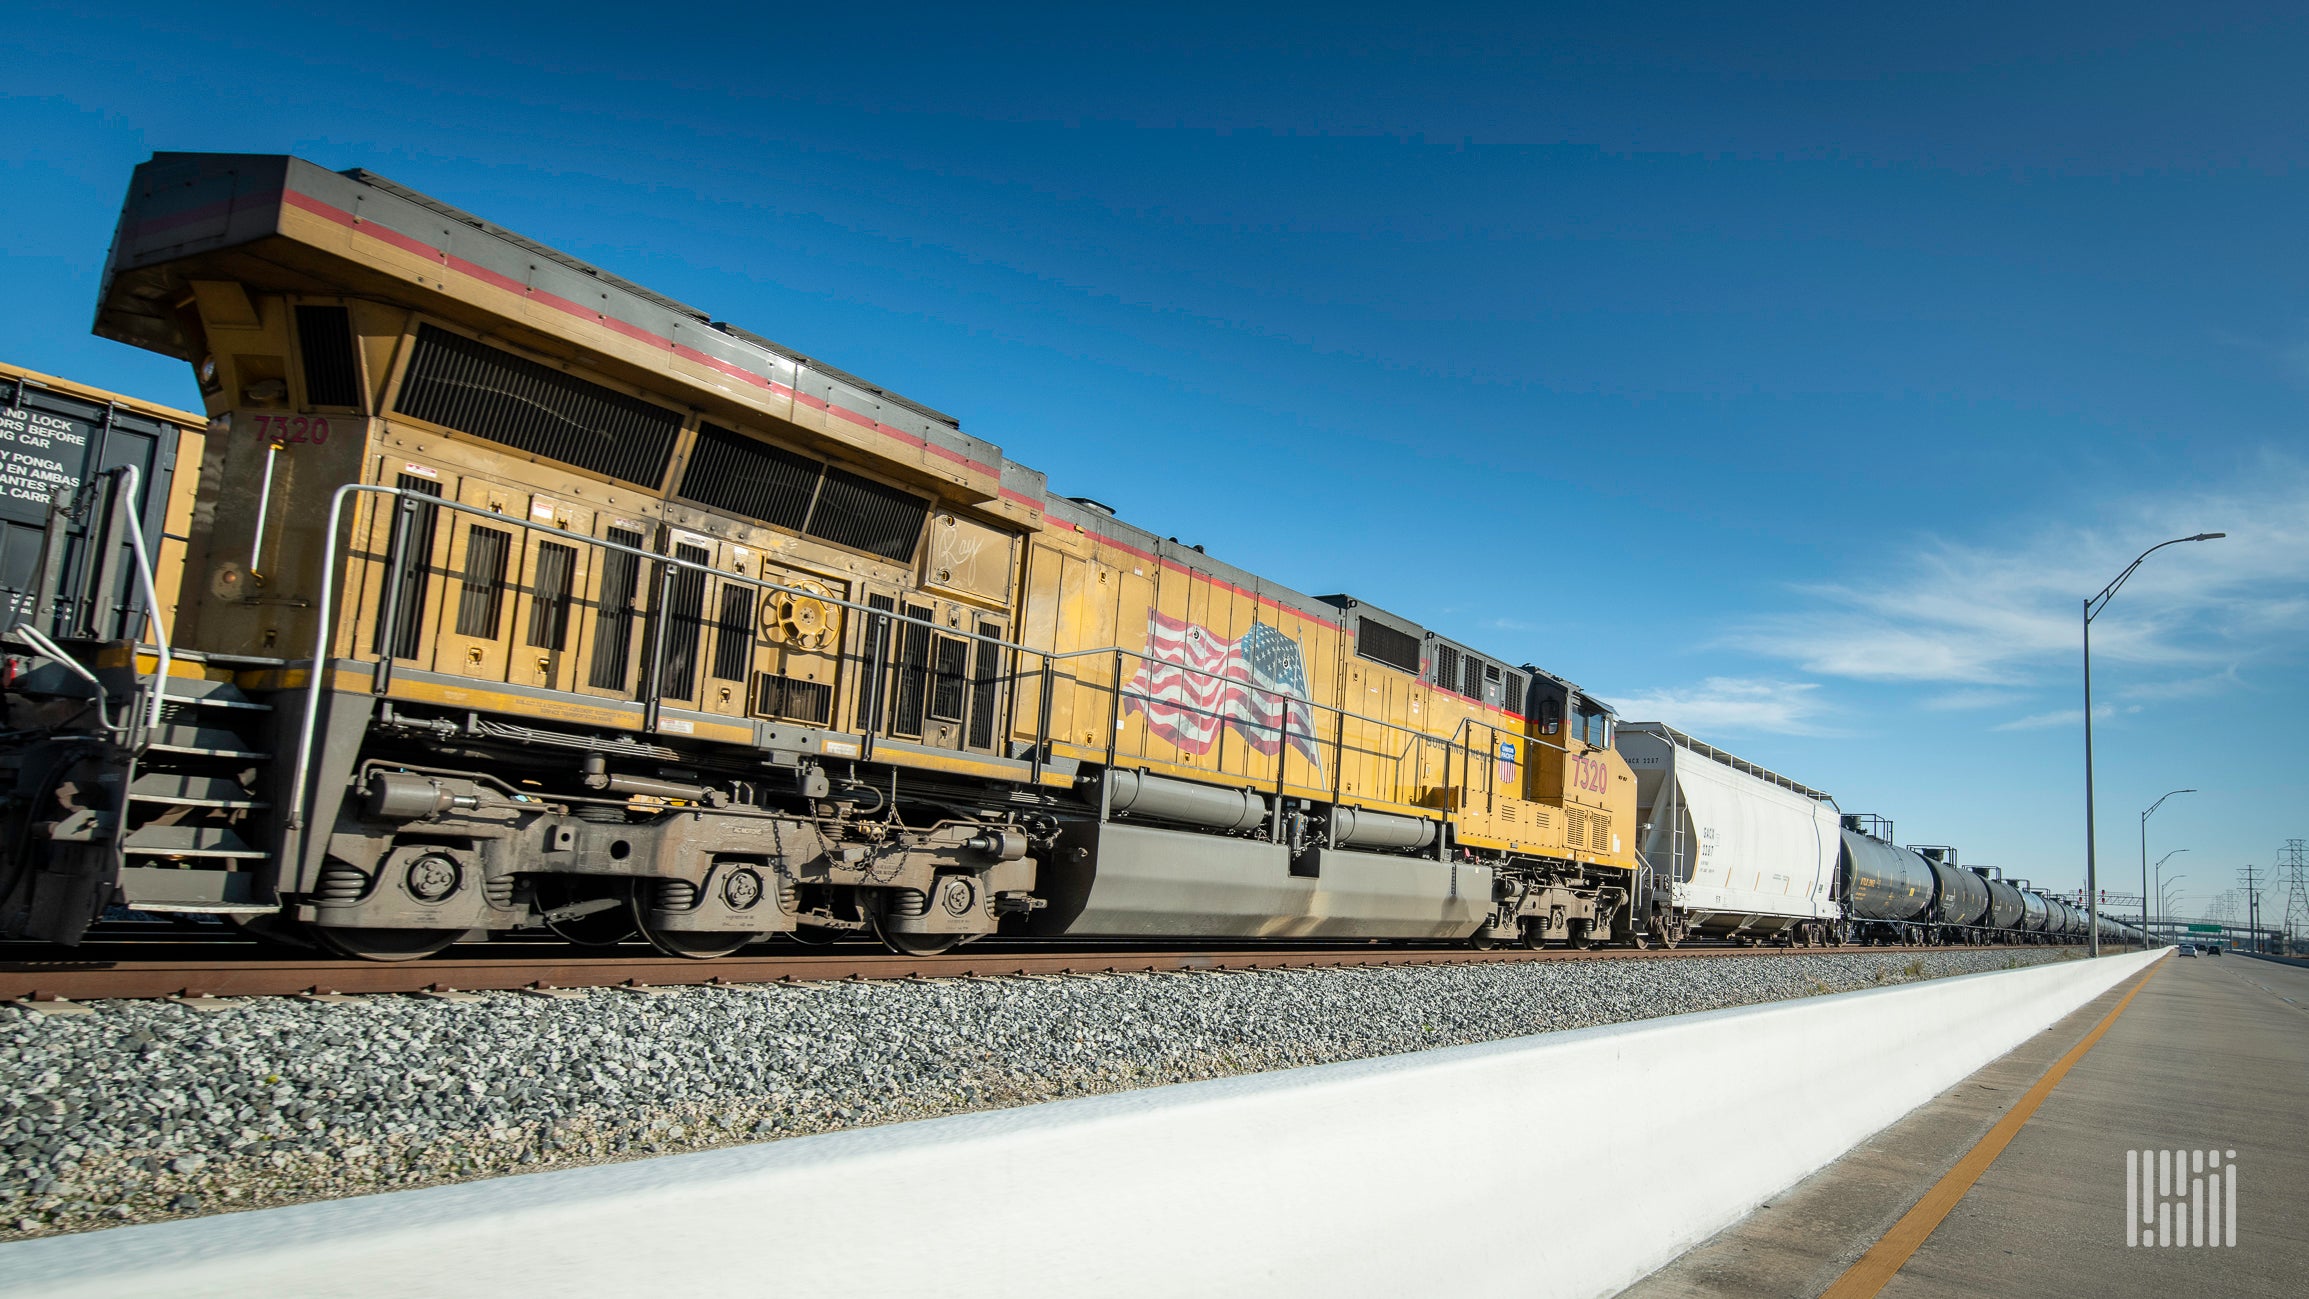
x: 68, y: 980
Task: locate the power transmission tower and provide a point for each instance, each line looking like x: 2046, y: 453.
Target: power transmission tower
x: 2294, y: 865
x: 2224, y: 908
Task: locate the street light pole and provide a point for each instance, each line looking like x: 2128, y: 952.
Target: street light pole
x: 2092, y: 610
x: 2164, y: 905
x: 2145, y: 859
x: 2161, y: 885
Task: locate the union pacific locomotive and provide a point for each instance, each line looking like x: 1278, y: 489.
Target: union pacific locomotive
x: 499, y: 594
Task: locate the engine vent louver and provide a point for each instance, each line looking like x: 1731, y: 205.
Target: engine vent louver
x: 732, y: 472
x: 793, y: 698
x: 785, y: 489
x: 325, y: 340
x: 985, y: 685
x: 416, y: 553
x: 1383, y: 644
x: 734, y: 633
x: 913, y: 687
x: 865, y: 515
x: 490, y: 393
x: 549, y: 596
x: 613, y: 618
x: 1446, y: 667
x: 874, y: 654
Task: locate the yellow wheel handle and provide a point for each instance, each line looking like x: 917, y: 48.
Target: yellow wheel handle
x: 802, y: 619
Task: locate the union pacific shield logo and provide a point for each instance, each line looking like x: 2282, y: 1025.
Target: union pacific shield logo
x: 1506, y: 761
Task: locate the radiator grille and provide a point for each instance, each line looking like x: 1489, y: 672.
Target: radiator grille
x: 325, y: 340
x: 1512, y: 700
x: 481, y: 390
x: 1383, y: 644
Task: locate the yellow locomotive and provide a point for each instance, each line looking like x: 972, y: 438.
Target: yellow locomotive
x: 515, y: 595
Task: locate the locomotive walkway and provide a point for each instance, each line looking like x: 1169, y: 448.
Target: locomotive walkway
x: 2206, y: 1054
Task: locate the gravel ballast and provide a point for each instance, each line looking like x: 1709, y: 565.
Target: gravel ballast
x: 144, y: 1111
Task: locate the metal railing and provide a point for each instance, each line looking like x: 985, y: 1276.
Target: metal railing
x: 99, y: 580
x: 1026, y: 681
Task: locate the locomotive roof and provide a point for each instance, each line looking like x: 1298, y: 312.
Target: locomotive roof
x: 526, y: 244
x: 279, y: 224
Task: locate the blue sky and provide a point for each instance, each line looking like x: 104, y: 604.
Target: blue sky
x: 1787, y: 373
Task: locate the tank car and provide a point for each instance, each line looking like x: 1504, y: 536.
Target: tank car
x: 529, y: 599
x: 1888, y: 891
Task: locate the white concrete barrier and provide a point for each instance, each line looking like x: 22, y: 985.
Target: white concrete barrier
x: 1563, y: 1164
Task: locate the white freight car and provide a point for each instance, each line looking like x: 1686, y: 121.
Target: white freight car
x: 1740, y: 850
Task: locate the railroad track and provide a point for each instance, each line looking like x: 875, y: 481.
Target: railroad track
x: 70, y: 979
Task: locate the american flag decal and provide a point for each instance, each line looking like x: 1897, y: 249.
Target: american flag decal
x: 1193, y: 681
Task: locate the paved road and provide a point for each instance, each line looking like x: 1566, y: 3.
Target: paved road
x: 2213, y: 1053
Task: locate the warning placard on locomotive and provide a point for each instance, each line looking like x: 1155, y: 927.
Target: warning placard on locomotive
x: 40, y: 451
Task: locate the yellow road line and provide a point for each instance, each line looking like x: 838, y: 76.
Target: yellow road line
x: 1893, y: 1250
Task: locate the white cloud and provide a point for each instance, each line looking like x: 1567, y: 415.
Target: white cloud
x: 2007, y: 615
x: 2059, y: 717
x: 1965, y: 700
x: 1729, y: 705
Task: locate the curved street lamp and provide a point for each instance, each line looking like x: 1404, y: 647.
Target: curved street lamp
x: 2164, y: 903
x: 2161, y: 882
x: 2145, y: 862
x: 2092, y: 610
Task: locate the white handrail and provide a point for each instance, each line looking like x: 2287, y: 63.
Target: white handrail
x: 151, y: 595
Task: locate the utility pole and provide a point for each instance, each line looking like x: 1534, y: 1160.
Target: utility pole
x: 2252, y: 909
x: 2294, y: 864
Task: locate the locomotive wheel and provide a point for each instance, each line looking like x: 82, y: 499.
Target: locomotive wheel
x: 1641, y: 940
x: 1534, y: 937
x: 697, y: 946
x: 274, y: 930
x: 688, y: 944
x: 1481, y: 942
x: 385, y: 944
x: 1582, y: 938
x: 915, y: 944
